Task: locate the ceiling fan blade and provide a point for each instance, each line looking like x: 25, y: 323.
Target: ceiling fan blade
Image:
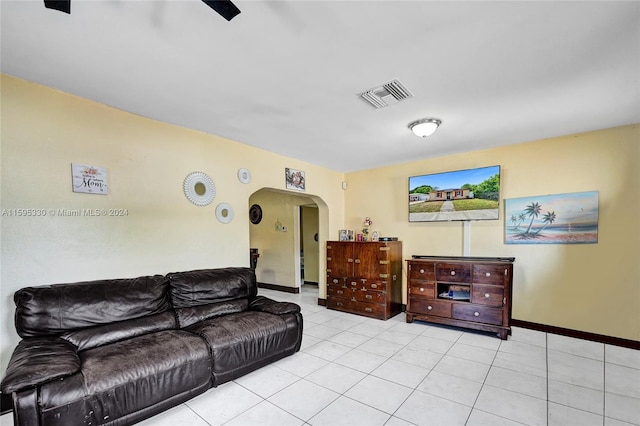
x: 224, y: 7
x: 61, y: 5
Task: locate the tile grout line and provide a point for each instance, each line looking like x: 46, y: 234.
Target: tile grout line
x: 546, y: 361
x: 604, y: 383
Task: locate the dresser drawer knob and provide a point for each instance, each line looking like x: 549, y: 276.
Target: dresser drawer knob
x: 340, y: 292
x: 357, y: 260
x: 353, y: 283
x: 374, y: 285
x: 429, y: 307
x: 368, y: 296
x: 421, y: 289
x: 335, y: 281
x: 487, y: 295
x: 422, y: 271
x: 368, y: 309
x: 476, y: 314
x: 453, y: 272
x: 339, y: 304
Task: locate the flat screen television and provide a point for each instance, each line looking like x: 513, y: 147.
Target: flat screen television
x: 471, y: 194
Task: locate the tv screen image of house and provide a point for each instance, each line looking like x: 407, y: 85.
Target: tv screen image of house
x: 471, y: 194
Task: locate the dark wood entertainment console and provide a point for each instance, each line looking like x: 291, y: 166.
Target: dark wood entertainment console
x: 470, y: 292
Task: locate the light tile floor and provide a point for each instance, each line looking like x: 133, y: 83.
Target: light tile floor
x: 356, y: 371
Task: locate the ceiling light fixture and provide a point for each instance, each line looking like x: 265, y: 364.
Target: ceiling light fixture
x: 425, y: 127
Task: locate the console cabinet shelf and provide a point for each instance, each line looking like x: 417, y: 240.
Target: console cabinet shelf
x: 470, y: 292
x: 365, y: 278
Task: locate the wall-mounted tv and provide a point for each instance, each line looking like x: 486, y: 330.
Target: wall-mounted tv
x: 472, y: 194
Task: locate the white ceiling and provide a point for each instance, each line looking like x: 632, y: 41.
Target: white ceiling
x: 284, y: 75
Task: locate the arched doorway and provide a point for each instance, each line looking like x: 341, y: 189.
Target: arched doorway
x: 289, y: 237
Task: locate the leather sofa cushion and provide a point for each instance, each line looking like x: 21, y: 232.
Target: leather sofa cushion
x: 194, y: 314
x: 58, y: 308
x: 205, y: 286
x: 264, y: 304
x: 242, y: 342
x: 38, y: 360
x: 128, y: 376
x: 93, y: 337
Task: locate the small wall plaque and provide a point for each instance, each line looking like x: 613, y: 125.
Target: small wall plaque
x: 89, y: 179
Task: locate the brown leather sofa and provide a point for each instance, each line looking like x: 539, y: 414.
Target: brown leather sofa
x: 118, y: 351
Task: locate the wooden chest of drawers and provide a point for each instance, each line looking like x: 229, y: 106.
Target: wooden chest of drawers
x: 471, y: 292
x: 365, y: 278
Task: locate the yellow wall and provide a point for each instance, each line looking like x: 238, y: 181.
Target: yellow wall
x: 592, y: 287
x: 44, y: 131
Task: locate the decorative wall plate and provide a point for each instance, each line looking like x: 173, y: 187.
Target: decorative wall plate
x: 244, y: 175
x: 224, y: 212
x: 255, y: 214
x: 199, y: 188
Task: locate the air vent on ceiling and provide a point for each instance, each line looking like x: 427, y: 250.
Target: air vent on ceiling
x: 386, y: 94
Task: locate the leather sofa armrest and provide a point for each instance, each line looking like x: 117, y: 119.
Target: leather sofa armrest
x: 264, y: 304
x: 39, y: 360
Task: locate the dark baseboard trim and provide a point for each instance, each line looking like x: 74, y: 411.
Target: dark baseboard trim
x: 322, y: 302
x: 600, y: 338
x: 279, y: 287
x: 311, y: 283
x: 6, y: 403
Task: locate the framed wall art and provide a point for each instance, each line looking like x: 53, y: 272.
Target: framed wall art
x: 294, y: 179
x: 552, y: 219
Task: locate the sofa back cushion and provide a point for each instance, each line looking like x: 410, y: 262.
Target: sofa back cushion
x: 58, y: 308
x: 206, y: 286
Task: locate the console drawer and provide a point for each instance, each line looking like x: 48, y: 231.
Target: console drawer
x: 492, y: 295
x: 422, y: 305
x: 476, y: 313
x: 422, y: 271
x: 422, y: 289
x: 453, y: 272
x: 489, y: 274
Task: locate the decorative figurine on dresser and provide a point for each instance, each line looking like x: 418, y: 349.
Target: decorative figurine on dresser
x: 469, y: 292
x: 365, y: 278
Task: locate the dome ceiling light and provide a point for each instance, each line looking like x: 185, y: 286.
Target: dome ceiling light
x: 425, y: 127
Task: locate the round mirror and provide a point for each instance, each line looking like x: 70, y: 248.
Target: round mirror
x: 244, y: 175
x: 199, y: 188
x: 224, y: 212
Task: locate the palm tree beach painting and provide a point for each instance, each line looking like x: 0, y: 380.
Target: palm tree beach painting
x: 552, y: 219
